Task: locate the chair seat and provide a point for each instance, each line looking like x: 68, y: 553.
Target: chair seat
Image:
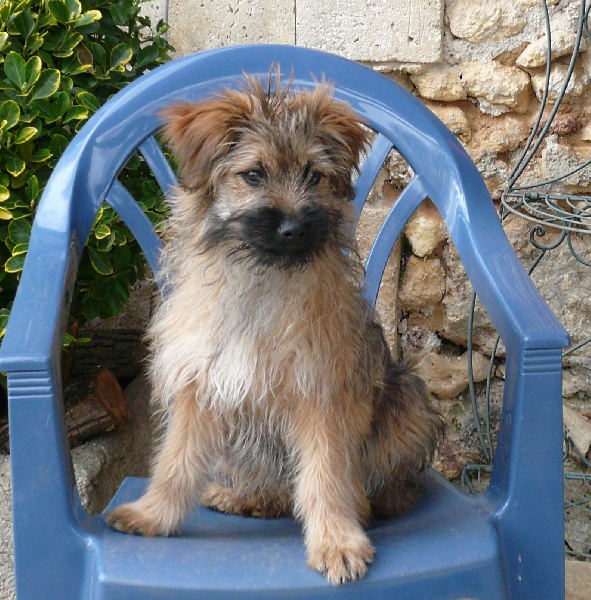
x: 443, y: 548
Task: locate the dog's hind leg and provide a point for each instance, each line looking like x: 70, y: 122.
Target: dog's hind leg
x: 405, y: 433
x: 179, y: 472
x: 398, y: 495
x: 263, y: 504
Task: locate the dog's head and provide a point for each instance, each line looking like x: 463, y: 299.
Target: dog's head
x: 268, y: 170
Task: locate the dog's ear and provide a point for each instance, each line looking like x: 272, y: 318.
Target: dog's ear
x: 341, y: 130
x: 201, y: 133
x: 340, y: 126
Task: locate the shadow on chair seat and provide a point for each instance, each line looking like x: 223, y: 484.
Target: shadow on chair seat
x: 422, y: 553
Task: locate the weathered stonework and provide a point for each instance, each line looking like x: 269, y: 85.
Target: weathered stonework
x: 453, y: 324
x: 535, y: 55
x: 578, y: 427
x: 502, y: 134
x: 388, y: 305
x: 481, y: 20
x: 422, y: 283
x: 446, y: 376
x: 557, y: 157
x: 497, y: 84
x: 586, y: 133
x: 156, y: 10
x: 212, y: 23
x: 493, y: 168
x: 380, y: 30
x: 377, y: 30
x: 425, y: 230
x: 558, y: 72
x: 400, y: 174
x: 440, y: 83
x: 455, y: 120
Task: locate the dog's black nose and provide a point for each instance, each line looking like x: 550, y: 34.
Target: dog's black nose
x: 301, y: 234
x: 286, y: 238
x: 291, y: 230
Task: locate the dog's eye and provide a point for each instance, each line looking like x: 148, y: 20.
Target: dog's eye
x: 254, y: 177
x: 312, y: 177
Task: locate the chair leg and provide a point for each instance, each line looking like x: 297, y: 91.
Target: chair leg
x: 531, y: 531
x: 49, y: 543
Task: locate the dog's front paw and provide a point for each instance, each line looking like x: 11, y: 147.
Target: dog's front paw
x: 131, y: 518
x: 343, y: 560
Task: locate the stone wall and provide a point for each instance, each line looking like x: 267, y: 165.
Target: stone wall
x: 480, y: 67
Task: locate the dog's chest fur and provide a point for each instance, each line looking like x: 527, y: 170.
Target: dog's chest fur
x: 258, y: 335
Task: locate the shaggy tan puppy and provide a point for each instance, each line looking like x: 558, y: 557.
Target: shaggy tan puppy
x: 281, y: 393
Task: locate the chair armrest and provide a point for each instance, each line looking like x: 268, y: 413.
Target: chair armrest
x: 533, y: 338
x: 528, y: 462
x: 512, y: 301
x: 45, y: 499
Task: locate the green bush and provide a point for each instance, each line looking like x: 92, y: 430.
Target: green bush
x: 60, y: 60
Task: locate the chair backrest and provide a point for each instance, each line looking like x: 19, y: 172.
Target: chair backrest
x: 444, y: 172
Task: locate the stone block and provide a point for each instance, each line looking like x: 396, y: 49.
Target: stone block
x: 425, y: 230
x: 7, y: 591
x: 423, y: 283
x: 456, y: 307
x: 562, y: 43
x: 440, y: 83
x: 400, y: 172
x: 558, y: 72
x: 213, y: 23
x: 576, y: 379
x: 447, y: 376
x: 388, y: 309
x: 484, y: 21
x: 578, y: 580
x: 559, y: 159
x: 493, y: 169
x: 578, y: 428
x: 375, y: 30
x: 455, y: 120
x: 156, y: 11
x: 497, y: 84
x: 502, y: 134
x: 586, y: 133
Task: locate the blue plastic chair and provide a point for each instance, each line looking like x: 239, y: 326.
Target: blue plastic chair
x: 507, y: 542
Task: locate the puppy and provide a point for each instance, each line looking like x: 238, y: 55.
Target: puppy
x: 281, y: 393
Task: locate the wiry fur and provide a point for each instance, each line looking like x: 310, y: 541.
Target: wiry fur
x: 286, y: 398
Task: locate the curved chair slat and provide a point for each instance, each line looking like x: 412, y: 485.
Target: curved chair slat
x: 406, y: 204
x: 125, y: 206
x: 369, y: 170
x: 157, y: 162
